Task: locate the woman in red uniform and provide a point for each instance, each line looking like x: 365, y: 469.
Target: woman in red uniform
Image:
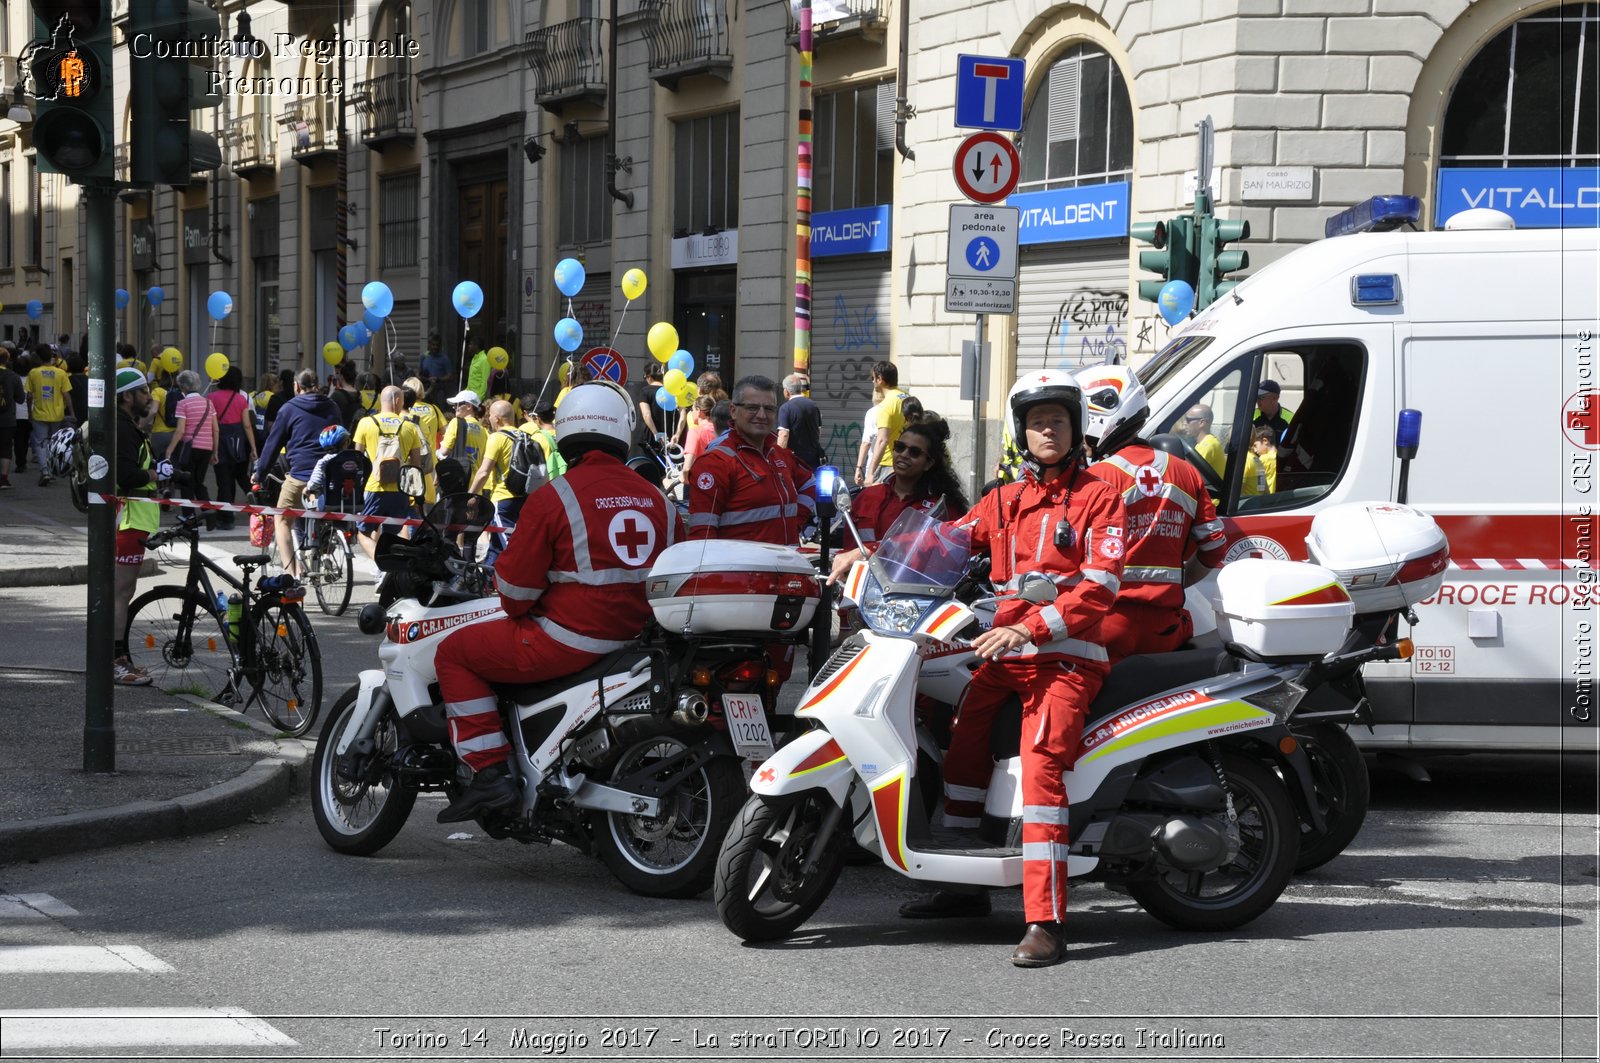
x: 922, y: 479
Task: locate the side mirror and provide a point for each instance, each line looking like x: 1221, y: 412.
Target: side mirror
x: 412, y: 484
x: 842, y: 502
x: 1037, y: 588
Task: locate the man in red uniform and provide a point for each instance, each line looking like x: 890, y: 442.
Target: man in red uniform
x: 571, y: 583
x: 746, y: 486
x: 1171, y: 518
x: 1067, y: 527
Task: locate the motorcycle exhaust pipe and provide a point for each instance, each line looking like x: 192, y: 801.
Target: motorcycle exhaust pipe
x: 693, y: 708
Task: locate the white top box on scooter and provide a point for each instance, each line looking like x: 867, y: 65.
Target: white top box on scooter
x: 1282, y: 610
x: 712, y: 586
x: 1388, y: 556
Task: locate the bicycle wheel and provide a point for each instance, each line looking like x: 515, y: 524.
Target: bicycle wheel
x: 286, y: 675
x: 181, y: 640
x: 330, y: 572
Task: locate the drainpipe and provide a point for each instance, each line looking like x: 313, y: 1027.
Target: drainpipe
x: 902, y: 109
x: 214, y: 193
x: 613, y: 163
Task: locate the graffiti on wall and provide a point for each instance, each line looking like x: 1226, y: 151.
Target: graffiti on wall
x: 841, y: 373
x: 1150, y: 334
x: 1090, y: 325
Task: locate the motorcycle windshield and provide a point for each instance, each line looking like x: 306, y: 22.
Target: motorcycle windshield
x: 921, y: 551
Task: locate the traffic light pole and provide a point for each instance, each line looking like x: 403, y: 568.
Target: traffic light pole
x: 99, y: 732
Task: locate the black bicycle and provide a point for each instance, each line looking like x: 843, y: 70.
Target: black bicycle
x: 253, y: 645
x: 327, y: 564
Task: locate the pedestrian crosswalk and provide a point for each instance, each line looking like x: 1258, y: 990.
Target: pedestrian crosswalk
x: 30, y: 959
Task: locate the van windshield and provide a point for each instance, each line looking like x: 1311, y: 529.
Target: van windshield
x: 1169, y: 360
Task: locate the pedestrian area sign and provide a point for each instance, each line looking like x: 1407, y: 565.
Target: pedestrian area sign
x: 983, y: 242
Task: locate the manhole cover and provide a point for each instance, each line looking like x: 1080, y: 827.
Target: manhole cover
x: 179, y: 747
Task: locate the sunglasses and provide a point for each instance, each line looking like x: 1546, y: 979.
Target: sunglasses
x: 908, y: 450
x: 1193, y: 420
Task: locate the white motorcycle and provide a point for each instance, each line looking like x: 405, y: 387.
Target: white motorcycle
x: 624, y: 759
x: 1186, y: 791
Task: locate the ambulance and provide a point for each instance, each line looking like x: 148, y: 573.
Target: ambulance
x: 1487, y: 332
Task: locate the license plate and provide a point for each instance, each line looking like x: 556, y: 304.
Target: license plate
x: 747, y: 726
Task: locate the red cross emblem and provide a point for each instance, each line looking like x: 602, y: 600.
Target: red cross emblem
x: 1044, y: 378
x: 767, y: 775
x: 632, y: 536
x: 1148, y: 480
x: 1580, y: 420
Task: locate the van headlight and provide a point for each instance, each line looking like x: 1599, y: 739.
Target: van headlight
x: 892, y: 616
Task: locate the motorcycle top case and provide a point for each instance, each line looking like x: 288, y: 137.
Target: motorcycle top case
x: 1282, y: 610
x: 716, y: 586
x: 1387, y: 555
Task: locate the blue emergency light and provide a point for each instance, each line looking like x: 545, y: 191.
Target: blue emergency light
x: 1374, y: 289
x: 1408, y: 432
x: 1377, y: 215
x: 827, y: 482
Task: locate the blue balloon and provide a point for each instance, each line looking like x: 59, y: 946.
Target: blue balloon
x: 666, y: 399
x: 219, y: 306
x: 35, y: 309
x: 374, y: 321
x: 377, y: 297
x: 467, y: 298
x: 122, y: 298
x: 348, y: 338
x: 682, y: 361
x: 362, y: 333
x: 155, y: 295
x: 569, y: 334
x: 570, y: 276
x: 1175, y: 299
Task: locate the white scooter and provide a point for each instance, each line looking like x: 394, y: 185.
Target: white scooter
x: 1172, y: 796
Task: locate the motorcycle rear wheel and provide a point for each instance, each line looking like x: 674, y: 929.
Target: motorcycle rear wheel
x: 1342, y: 787
x: 1233, y: 895
x: 357, y: 818
x: 673, y: 854
x: 762, y: 890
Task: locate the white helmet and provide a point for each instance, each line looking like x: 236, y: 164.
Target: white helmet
x: 1038, y: 387
x: 1115, y: 406
x: 595, y: 415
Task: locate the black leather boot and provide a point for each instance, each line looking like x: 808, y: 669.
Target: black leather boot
x: 491, y: 788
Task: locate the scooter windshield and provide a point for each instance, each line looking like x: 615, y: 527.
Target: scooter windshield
x: 922, y: 551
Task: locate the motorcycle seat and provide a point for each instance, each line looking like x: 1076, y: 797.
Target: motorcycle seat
x: 529, y: 693
x: 1143, y: 676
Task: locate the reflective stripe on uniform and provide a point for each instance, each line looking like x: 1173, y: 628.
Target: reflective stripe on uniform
x: 964, y: 793
x: 567, y: 637
x: 1054, y: 622
x: 602, y: 578
x: 1106, y: 579
x: 511, y: 590
x: 1089, y: 651
x: 1152, y: 574
x: 1044, y: 814
x: 704, y: 520
x: 483, y: 743
x: 576, y: 524
x: 733, y: 517
x: 470, y: 708
x: 1052, y: 851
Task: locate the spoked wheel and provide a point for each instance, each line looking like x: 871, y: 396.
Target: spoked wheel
x: 179, y: 639
x: 1232, y: 895
x: 286, y: 678
x: 358, y: 815
x: 1342, y: 789
x: 331, y: 572
x: 673, y: 854
x: 763, y: 890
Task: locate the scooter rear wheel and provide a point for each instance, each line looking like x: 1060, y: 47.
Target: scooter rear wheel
x: 762, y: 890
x: 1343, y: 789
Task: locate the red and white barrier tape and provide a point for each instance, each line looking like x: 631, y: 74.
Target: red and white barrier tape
x: 1513, y: 564
x: 296, y: 514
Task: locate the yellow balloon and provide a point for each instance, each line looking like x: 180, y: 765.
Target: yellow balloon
x: 216, y: 365
x: 691, y: 391
x: 663, y: 341
x: 634, y: 282
x: 499, y: 358
x: 171, y: 359
x: 674, y: 380
x: 332, y: 353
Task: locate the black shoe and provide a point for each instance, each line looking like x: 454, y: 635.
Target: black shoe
x: 944, y: 904
x: 1041, y: 946
x: 490, y: 788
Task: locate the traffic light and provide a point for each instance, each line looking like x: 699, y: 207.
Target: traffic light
x: 72, y: 88
x: 1215, y: 262
x: 1173, y: 256
x: 166, y: 87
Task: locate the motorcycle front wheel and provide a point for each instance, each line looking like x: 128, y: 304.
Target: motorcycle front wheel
x: 1342, y: 788
x: 358, y: 816
x: 763, y: 891
x: 673, y: 854
x: 1232, y: 895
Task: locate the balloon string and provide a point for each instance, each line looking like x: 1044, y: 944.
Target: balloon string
x: 461, y: 370
x: 620, y: 319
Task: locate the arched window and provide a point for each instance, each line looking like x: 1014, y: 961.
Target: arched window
x: 473, y: 27
x: 1079, y: 125
x: 1530, y: 96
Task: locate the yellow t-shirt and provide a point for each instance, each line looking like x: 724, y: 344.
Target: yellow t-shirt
x: 1210, y: 448
x: 1260, y: 473
x: 561, y: 395
x: 431, y: 421
x: 47, y: 393
x: 372, y: 429
x: 158, y: 395
x: 892, y: 417
x: 498, y: 453
x: 476, y: 437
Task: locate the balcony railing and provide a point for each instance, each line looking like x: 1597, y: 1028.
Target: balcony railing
x: 388, y: 108
x: 836, y: 19
x: 121, y: 160
x: 686, y: 37
x: 569, y: 61
x: 253, y: 143
x: 313, y: 126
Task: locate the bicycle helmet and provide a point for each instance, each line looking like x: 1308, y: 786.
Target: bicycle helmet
x: 595, y: 416
x: 1040, y: 387
x: 333, y: 437
x: 1115, y: 406
x: 60, y: 450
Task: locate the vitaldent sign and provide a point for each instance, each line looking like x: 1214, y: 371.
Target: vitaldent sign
x: 1095, y: 212
x: 860, y: 231
x: 1542, y: 197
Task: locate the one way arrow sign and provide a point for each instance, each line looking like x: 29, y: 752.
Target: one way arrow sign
x: 987, y: 167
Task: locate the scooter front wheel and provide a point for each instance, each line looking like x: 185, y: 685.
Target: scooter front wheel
x: 763, y: 889
x: 358, y: 816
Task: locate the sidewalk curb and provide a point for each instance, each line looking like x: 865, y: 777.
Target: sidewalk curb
x: 59, y: 575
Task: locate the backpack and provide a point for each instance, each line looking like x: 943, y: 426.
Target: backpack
x: 449, y: 471
x: 169, y: 406
x: 554, y: 463
x: 526, y: 472
x: 389, y: 456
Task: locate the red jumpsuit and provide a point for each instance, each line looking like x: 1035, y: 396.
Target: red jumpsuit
x: 572, y: 585
x: 758, y: 494
x: 1170, y: 519
x: 1071, y: 529
x: 877, y: 507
